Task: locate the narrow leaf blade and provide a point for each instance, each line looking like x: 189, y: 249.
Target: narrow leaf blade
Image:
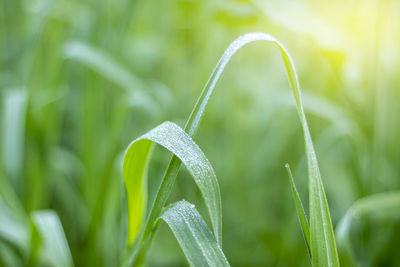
x: 14, y: 110
x: 300, y: 210
x: 56, y: 250
x: 105, y: 65
x: 193, y: 235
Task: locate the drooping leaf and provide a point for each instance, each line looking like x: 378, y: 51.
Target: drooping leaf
x: 300, y: 210
x: 55, y: 246
x: 193, y: 235
x: 99, y: 61
x: 173, y: 138
x: 322, y: 239
x: 103, y: 63
x: 376, y: 203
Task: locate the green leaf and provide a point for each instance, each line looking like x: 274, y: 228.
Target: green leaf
x: 376, y: 203
x: 55, y: 250
x: 99, y: 61
x: 103, y: 63
x: 322, y: 239
x: 300, y: 210
x: 13, y: 128
x: 193, y: 235
x: 174, y: 139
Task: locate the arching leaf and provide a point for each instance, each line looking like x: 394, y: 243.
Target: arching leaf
x: 368, y: 205
x: 173, y: 138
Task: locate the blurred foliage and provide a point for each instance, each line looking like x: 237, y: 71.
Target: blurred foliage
x: 81, y: 79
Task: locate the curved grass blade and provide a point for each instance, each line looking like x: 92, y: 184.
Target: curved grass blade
x: 55, y: 246
x: 104, y: 64
x: 173, y: 138
x: 322, y: 239
x: 371, y: 204
x: 108, y: 67
x: 193, y: 235
x: 300, y: 210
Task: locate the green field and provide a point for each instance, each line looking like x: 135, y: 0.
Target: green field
x: 160, y: 133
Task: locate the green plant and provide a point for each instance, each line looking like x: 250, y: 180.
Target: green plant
x: 319, y: 236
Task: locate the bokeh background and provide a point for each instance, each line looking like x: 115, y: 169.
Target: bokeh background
x: 81, y: 79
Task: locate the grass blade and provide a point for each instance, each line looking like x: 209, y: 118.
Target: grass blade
x: 322, y: 239
x: 109, y: 68
x: 193, y: 235
x: 14, y: 114
x: 101, y: 62
x: 368, y: 205
x: 173, y: 138
x: 55, y: 251
x: 300, y: 210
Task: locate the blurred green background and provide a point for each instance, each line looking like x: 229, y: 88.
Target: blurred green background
x: 81, y: 79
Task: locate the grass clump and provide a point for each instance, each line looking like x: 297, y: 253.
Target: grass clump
x: 80, y: 80
x: 320, y: 237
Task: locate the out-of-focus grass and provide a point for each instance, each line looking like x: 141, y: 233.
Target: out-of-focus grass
x: 74, y: 121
